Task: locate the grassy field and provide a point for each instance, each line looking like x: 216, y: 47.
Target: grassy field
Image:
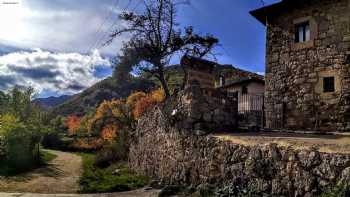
x: 115, y: 178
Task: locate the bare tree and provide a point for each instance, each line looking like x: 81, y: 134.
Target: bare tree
x: 155, y: 38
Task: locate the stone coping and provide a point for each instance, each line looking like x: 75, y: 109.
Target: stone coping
x: 326, y: 143
x: 136, y: 193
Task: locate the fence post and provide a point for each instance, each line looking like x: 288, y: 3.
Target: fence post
x: 283, y: 114
x: 263, y: 112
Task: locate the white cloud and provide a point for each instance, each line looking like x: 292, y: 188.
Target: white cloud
x: 261, y: 73
x: 65, y: 25
x: 63, y: 73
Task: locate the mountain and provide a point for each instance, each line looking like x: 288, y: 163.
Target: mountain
x: 106, y: 89
x: 110, y: 88
x: 50, y: 102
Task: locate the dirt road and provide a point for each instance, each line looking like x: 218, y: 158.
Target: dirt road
x: 60, y: 176
x: 58, y: 179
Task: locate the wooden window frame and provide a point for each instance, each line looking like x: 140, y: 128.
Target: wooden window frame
x: 313, y: 33
x: 305, y: 26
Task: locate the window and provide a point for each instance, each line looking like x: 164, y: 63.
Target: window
x: 244, y: 90
x: 222, y: 80
x: 302, y: 32
x: 328, y: 84
x: 347, y: 61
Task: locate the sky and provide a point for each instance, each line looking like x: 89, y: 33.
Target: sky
x: 56, y: 46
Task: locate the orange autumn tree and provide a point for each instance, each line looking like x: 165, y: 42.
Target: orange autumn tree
x: 73, y: 124
x: 112, y: 116
x: 109, y: 117
x: 146, y: 102
x: 134, y: 98
x: 109, y: 132
x: 82, y: 144
x: 158, y: 95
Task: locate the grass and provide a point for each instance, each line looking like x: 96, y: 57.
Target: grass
x: 46, y: 157
x: 7, y: 170
x: 101, y: 180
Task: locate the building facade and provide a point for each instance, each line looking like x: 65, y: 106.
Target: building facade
x: 199, y: 71
x: 307, y: 64
x: 250, y: 93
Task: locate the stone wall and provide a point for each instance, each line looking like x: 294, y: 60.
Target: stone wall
x: 295, y: 71
x: 195, y: 111
x: 161, y: 151
x: 205, y: 79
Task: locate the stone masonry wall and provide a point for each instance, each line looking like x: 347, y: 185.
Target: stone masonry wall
x: 294, y: 72
x: 197, y: 112
x: 161, y: 151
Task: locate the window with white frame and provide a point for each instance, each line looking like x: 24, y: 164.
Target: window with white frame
x: 302, y: 32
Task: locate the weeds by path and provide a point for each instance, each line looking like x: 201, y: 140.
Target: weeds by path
x: 115, y: 178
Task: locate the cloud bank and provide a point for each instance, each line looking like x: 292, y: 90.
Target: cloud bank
x: 64, y: 25
x: 61, y: 73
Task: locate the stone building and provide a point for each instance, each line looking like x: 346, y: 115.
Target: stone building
x: 307, y: 64
x: 201, y: 107
x: 227, y: 94
x: 200, y: 71
x: 250, y: 92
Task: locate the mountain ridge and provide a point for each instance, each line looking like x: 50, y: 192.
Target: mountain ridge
x: 107, y: 89
x: 51, y: 101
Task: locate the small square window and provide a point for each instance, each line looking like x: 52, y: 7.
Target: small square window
x: 328, y: 84
x: 302, y: 32
x: 347, y: 61
x: 244, y: 90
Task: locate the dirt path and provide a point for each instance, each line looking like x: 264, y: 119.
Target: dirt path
x: 58, y: 179
x: 60, y: 176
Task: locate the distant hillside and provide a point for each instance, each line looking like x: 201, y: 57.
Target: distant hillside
x: 47, y: 103
x: 106, y: 89
x: 175, y: 74
x: 110, y: 88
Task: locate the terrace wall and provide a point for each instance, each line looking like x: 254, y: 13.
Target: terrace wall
x: 163, y: 151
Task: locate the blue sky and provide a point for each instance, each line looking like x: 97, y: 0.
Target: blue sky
x: 242, y: 37
x: 55, y: 46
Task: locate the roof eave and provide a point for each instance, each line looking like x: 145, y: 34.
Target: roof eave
x: 261, y: 81
x: 263, y: 13
x: 257, y: 14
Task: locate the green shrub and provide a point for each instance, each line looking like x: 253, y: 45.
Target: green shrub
x: 21, y: 145
x: 22, y: 125
x: 53, y: 140
x: 115, y: 151
x: 115, y: 178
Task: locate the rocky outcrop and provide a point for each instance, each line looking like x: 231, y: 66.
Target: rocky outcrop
x: 162, y: 151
